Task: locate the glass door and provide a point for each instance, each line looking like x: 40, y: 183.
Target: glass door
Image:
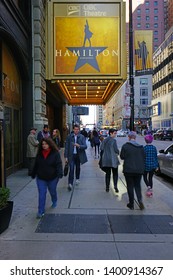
x: 13, y: 146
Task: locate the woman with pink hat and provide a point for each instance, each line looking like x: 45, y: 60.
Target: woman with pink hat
x: 151, y: 164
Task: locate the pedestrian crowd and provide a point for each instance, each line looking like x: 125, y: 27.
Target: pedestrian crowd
x: 45, y: 163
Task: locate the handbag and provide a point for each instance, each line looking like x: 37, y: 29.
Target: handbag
x: 66, y: 169
x: 100, y: 162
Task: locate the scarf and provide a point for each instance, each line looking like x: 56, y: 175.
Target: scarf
x: 45, y: 153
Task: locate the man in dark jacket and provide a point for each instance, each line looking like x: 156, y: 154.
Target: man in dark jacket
x: 133, y: 168
x: 74, y: 154
x: 43, y: 133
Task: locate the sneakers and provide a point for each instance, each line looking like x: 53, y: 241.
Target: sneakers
x: 141, y: 206
x: 54, y: 205
x: 116, y: 190
x: 39, y: 216
x: 70, y: 187
x: 77, y: 182
x: 130, y: 206
x: 149, y: 192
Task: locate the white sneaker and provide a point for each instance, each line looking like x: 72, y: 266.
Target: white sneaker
x: 77, y: 182
x: 70, y: 187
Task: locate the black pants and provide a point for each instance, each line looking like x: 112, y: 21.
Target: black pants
x: 97, y: 147
x: 148, y: 178
x: 31, y: 162
x: 133, y: 183
x: 108, y: 176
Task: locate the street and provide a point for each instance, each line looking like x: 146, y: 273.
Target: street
x: 159, y: 144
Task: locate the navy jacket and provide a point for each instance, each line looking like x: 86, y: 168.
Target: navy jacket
x: 134, y: 158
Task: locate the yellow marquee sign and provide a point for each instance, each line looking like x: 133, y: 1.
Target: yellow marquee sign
x: 86, y: 39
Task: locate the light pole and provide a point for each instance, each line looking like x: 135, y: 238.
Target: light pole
x: 131, y: 77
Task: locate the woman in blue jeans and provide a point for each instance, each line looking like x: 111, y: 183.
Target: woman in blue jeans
x: 47, y: 170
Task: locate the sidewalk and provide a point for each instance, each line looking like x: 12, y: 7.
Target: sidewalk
x: 88, y: 222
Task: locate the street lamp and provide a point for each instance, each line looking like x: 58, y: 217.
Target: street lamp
x: 131, y: 77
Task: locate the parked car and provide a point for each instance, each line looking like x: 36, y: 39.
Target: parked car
x: 104, y: 133
x: 165, y: 158
x: 163, y: 134
x: 121, y: 133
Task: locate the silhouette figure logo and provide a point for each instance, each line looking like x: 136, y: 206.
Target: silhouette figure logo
x: 87, y: 54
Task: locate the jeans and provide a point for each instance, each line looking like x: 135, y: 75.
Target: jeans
x: 42, y: 186
x: 75, y: 162
x: 148, y: 178
x: 108, y: 176
x: 133, y: 183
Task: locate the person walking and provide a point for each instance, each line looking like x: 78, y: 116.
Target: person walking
x: 133, y: 168
x: 151, y: 164
x: 47, y: 170
x: 84, y: 133
x: 32, y: 148
x: 56, y: 137
x: 95, y: 142
x: 75, y: 154
x: 110, y: 159
x: 43, y: 133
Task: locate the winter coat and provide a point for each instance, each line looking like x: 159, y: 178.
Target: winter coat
x: 32, y: 146
x: 134, y: 158
x: 42, y: 134
x: 48, y: 168
x: 69, y: 148
x: 110, y: 153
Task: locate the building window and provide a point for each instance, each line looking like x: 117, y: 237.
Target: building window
x: 155, y: 39
x: 147, y: 25
x: 147, y: 18
x: 144, y: 101
x: 147, y: 3
x: 143, y: 92
x: 156, y: 18
x: 155, y: 3
x: 147, y: 11
x: 138, y: 11
x: 144, y: 112
x: 156, y: 25
x: 155, y: 11
x: 155, y: 32
x: 138, y: 25
x: 143, y: 81
x: 138, y: 17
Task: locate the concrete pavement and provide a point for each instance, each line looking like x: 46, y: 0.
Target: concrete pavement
x: 88, y: 223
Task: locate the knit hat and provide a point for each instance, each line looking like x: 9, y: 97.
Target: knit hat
x: 148, y: 138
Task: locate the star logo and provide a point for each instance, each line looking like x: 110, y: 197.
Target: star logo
x: 87, y: 55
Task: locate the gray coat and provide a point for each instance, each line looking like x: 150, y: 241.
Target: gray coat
x: 110, y: 153
x: 32, y: 146
x: 68, y: 152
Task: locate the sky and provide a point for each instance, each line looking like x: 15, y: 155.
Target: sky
x: 91, y: 118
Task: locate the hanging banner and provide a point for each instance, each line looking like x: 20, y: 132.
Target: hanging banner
x: 143, y: 52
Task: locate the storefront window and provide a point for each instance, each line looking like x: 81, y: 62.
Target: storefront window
x: 8, y: 136
x: 12, y: 98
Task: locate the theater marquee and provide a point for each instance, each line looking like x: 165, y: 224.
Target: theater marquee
x: 86, y: 39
